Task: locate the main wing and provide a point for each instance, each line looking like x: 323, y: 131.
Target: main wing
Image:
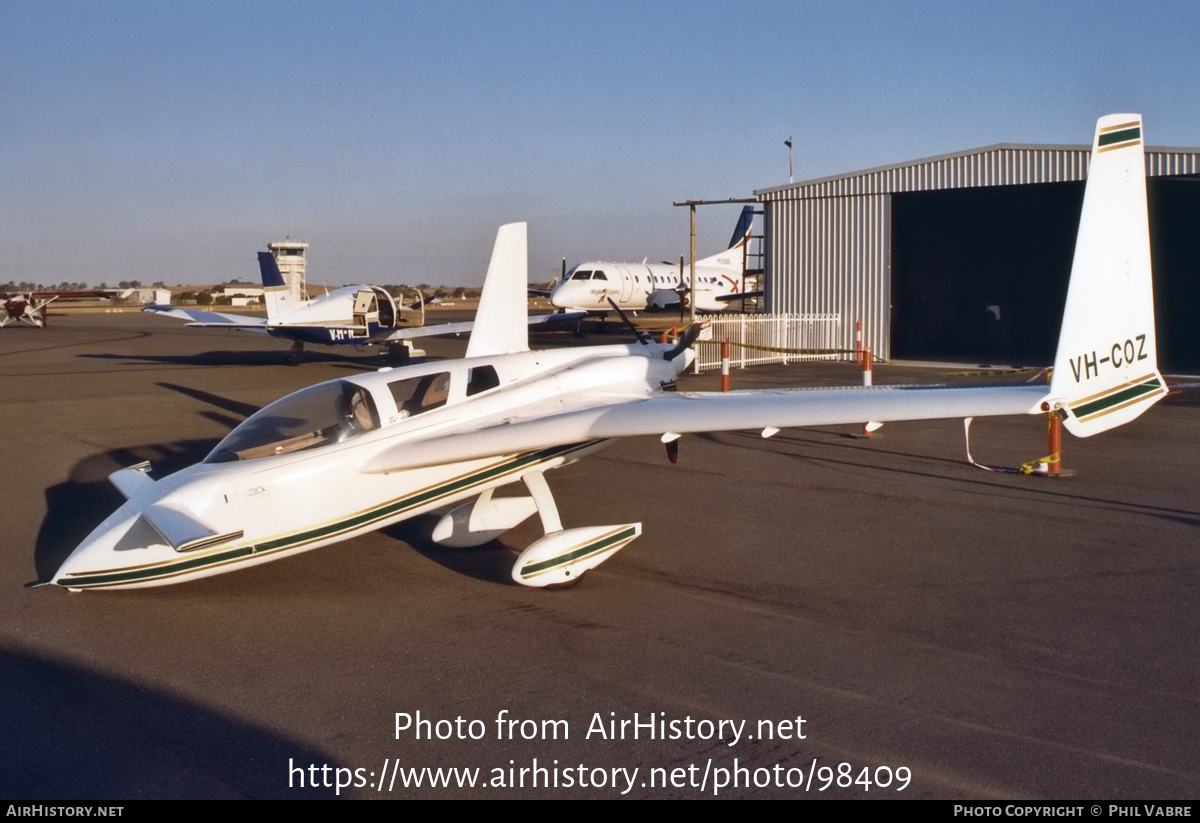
x: 684, y: 412
x: 468, y: 325
x: 210, y: 319
x: 216, y: 320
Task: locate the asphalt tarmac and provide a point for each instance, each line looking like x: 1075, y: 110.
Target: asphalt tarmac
x: 968, y: 634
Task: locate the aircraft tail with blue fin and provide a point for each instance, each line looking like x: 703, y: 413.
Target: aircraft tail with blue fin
x: 276, y: 294
x: 734, y: 254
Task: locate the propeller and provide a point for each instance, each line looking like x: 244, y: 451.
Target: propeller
x: 642, y: 337
x: 681, y: 291
x: 686, y: 340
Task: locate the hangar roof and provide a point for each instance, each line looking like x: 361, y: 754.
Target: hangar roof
x: 1004, y: 164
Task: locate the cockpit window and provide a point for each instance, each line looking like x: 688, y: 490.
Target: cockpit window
x: 421, y: 394
x: 318, y: 416
x: 599, y: 276
x: 582, y: 275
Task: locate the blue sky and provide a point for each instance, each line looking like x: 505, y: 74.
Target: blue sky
x: 171, y: 140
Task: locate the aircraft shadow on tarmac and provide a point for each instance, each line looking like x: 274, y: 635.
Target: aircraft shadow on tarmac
x: 988, y: 484
x: 492, y: 562
x: 823, y: 438
x: 238, y: 408
x: 78, y: 505
x: 245, y: 357
x: 75, y: 734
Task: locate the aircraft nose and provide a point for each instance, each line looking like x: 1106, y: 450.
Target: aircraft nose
x: 101, y: 550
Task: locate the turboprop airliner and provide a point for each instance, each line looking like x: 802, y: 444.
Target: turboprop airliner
x: 352, y: 315
x: 720, y: 280
x: 359, y: 453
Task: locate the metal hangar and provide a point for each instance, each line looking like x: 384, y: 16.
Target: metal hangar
x: 966, y: 256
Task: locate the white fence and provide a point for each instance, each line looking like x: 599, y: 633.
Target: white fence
x: 757, y: 338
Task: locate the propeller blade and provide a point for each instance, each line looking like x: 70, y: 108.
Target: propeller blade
x: 687, y: 340
x: 641, y: 339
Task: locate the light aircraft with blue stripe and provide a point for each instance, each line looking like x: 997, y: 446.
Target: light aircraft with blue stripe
x: 352, y: 315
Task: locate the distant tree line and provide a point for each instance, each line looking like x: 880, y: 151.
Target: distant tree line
x: 26, y: 286
x: 441, y: 292
x: 67, y: 285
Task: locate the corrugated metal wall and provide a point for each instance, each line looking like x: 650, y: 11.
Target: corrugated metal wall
x: 830, y: 255
x: 828, y: 240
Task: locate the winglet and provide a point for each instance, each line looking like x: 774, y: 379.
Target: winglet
x: 502, y: 321
x: 1106, y: 369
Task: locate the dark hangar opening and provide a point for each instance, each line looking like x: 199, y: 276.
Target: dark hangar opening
x: 1174, y: 209
x: 981, y: 274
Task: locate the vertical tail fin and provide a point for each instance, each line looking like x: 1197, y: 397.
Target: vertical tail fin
x: 502, y: 320
x: 276, y: 293
x: 1106, y: 368
x: 733, y: 255
x: 741, y: 232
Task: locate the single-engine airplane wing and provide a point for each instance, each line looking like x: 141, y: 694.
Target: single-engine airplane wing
x: 210, y: 319
x: 29, y: 307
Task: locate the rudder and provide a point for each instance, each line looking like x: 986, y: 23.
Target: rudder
x: 1106, y: 368
x: 276, y: 293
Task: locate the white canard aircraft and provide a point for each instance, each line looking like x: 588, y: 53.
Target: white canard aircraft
x: 720, y: 280
x: 353, y: 315
x: 352, y: 455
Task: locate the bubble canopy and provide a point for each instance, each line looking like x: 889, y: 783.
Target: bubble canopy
x: 321, y: 415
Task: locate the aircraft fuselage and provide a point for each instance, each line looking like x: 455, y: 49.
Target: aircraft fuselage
x: 647, y: 286
x: 291, y: 477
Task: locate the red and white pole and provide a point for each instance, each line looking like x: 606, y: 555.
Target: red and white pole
x: 1054, y: 442
x: 725, y: 365
x: 858, y: 339
x: 866, y: 370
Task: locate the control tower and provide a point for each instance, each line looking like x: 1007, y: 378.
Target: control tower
x: 290, y: 257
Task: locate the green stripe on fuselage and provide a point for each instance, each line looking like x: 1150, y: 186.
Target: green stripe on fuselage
x: 412, y: 501
x: 422, y: 497
x: 108, y: 579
